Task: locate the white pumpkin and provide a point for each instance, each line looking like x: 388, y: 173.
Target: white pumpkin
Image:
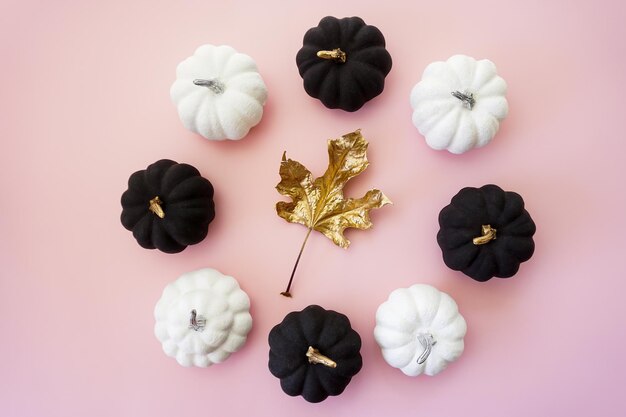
x: 420, y: 330
x: 202, y: 318
x: 458, y: 104
x: 219, y: 93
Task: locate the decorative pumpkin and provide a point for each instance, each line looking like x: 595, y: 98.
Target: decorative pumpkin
x: 219, y: 93
x: 168, y: 206
x: 486, y: 232
x: 202, y: 318
x: 458, y: 104
x: 343, y: 62
x: 420, y: 330
x: 315, y: 353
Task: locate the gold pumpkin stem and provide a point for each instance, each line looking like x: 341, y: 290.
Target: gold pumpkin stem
x: 155, y: 207
x: 315, y: 357
x: 336, y: 55
x: 488, y: 234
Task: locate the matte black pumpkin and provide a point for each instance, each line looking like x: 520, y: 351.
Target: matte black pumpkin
x: 168, y: 206
x: 315, y: 353
x: 343, y: 62
x: 486, y: 232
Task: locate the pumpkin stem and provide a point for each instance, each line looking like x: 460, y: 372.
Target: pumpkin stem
x: 213, y: 84
x: 286, y: 293
x: 196, y: 322
x: 427, y: 341
x: 336, y: 55
x: 467, y: 98
x: 315, y: 357
x: 155, y: 207
x: 488, y: 234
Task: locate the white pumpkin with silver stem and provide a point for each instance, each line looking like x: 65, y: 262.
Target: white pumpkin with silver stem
x: 219, y: 93
x: 420, y: 330
x: 459, y: 103
x: 202, y: 318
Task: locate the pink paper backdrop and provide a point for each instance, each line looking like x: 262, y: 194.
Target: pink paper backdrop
x: 85, y: 102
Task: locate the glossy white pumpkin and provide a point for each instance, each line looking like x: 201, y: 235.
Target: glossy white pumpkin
x: 420, y: 330
x: 222, y: 318
x: 219, y: 93
x: 458, y: 104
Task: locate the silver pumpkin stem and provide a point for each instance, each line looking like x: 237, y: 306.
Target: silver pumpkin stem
x: 467, y: 98
x: 196, y: 322
x: 213, y: 84
x: 427, y: 341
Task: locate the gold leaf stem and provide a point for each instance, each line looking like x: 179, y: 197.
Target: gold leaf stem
x: 286, y: 293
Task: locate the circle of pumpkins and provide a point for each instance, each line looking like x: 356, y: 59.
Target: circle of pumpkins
x: 203, y: 316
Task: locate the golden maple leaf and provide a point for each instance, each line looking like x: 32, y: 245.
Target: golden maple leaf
x: 320, y: 204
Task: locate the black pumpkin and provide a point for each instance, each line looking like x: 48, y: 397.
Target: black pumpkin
x: 486, y: 232
x: 315, y: 353
x: 168, y: 206
x: 343, y: 62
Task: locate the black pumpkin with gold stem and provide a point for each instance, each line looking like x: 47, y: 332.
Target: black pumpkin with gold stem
x: 343, y: 62
x: 315, y: 353
x: 486, y: 232
x: 168, y: 206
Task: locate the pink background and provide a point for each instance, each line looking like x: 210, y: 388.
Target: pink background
x: 85, y: 102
